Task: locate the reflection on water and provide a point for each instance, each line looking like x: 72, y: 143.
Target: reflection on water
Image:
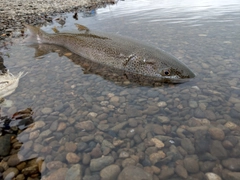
x: 86, y: 125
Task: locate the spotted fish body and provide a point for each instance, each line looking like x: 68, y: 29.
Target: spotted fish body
x: 120, y: 53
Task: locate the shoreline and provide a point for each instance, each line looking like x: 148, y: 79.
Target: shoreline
x: 14, y: 13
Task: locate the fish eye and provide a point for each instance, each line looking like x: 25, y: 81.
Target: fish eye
x: 166, y: 72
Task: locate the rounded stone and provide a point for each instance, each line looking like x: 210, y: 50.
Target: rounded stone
x: 34, y: 134
x: 158, y: 143
x: 132, y: 122
x: 162, y: 104
x: 74, y: 173
x: 54, y: 165
x: 10, y: 173
x: 14, y: 160
x: 46, y: 110
x: 216, y: 133
x: 58, y: 174
x: 114, y: 99
x: 100, y: 163
x: 61, y: 126
x: 85, y: 125
x: 163, y: 119
x: 191, y: 164
x: 212, y: 176
x: 232, y: 164
x: 110, y: 172
x: 134, y: 173
x: 72, y: 157
x: 155, y: 157
x: 96, y: 152
x: 70, y: 147
x: 181, y: 171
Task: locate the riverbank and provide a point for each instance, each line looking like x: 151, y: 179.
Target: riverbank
x: 13, y: 13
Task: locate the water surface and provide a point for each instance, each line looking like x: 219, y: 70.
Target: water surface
x: 202, y: 34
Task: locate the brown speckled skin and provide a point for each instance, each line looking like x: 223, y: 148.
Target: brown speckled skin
x: 120, y: 53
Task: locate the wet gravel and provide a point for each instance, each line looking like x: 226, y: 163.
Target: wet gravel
x: 14, y: 13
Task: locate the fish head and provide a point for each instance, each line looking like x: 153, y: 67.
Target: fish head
x: 174, y: 71
x: 164, y: 68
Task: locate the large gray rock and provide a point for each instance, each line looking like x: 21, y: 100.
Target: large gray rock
x: 232, y: 164
x: 74, y: 173
x: 217, y: 150
x: 187, y: 145
x: 232, y: 175
x: 191, y: 164
x: 134, y: 173
x: 110, y: 172
x: 100, y: 163
x: 181, y: 171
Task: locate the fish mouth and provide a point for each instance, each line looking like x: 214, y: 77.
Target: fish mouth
x: 179, y: 77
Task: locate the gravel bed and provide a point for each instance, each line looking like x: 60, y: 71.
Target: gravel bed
x: 13, y: 13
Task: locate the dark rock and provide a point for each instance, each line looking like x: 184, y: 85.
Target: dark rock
x: 217, y: 150
x: 232, y: 175
x: 207, y: 166
x: 191, y: 164
x: 96, y: 152
x: 157, y: 129
x: 207, y: 157
x: 134, y: 173
x: 198, y: 113
x: 82, y: 146
x: 187, y: 145
x: 232, y: 139
x: 201, y: 145
x: 30, y: 170
x: 232, y: 164
x: 92, y: 177
x: 86, y: 158
x: 132, y: 122
x: 235, y: 151
x: 181, y: 171
x: 100, y: 163
x: 166, y: 172
x: 14, y: 160
x: 5, y: 144
x: 146, y: 161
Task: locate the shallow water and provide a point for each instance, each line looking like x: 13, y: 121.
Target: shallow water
x: 202, y: 34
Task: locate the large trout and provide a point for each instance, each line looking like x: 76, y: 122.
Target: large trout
x: 119, y: 53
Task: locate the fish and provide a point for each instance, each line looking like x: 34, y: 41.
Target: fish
x: 118, y: 52
x: 9, y: 83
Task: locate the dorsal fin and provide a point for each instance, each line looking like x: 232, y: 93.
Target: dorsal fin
x: 55, y: 29
x: 82, y: 28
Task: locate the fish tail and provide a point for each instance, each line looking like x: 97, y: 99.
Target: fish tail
x: 36, y: 34
x: 34, y: 30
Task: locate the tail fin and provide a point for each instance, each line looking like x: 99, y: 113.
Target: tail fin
x: 34, y: 30
x: 36, y: 34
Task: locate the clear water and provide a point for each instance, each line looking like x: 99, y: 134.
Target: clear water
x: 202, y: 34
